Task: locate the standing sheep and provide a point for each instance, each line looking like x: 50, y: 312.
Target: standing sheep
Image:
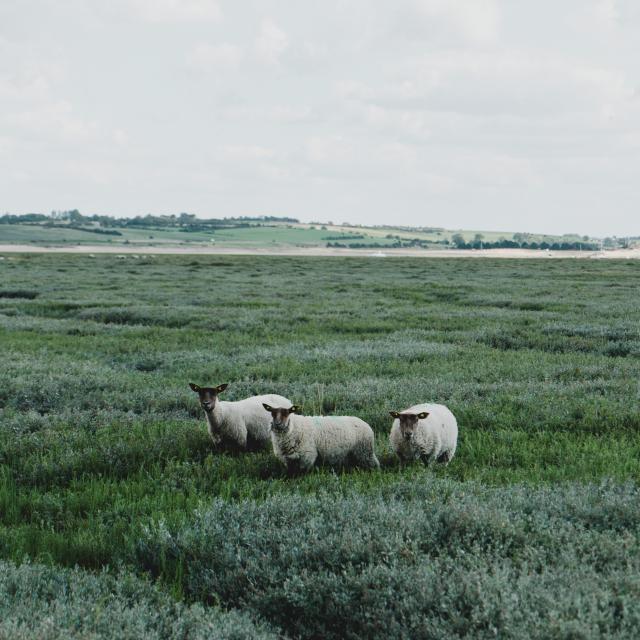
x: 300, y: 441
x: 238, y: 425
x: 425, y: 431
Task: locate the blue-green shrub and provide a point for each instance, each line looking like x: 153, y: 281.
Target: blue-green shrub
x: 43, y: 602
x: 434, y: 560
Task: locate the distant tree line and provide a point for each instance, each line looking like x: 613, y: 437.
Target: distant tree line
x: 522, y: 241
x: 73, y: 219
x: 356, y: 245
x: 498, y: 244
x: 354, y: 236
x: 106, y: 232
x: 398, y: 244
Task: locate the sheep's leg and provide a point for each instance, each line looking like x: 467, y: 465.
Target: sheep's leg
x: 367, y: 459
x: 296, y: 467
x: 374, y: 462
x: 427, y: 457
x: 241, y: 440
x: 216, y: 438
x: 231, y: 445
x: 444, y: 458
x: 216, y: 442
x: 293, y: 468
x: 428, y: 448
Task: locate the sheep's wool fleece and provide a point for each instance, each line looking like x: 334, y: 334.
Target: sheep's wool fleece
x: 434, y: 436
x: 235, y: 421
x: 328, y: 439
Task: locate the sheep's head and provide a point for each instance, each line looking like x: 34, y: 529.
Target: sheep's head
x: 280, y: 417
x: 208, y: 395
x: 408, y: 422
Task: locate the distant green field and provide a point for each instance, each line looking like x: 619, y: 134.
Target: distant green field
x: 532, y: 531
x: 266, y: 236
x: 21, y: 234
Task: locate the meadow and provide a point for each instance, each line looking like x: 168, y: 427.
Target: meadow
x: 117, y: 517
x: 266, y: 235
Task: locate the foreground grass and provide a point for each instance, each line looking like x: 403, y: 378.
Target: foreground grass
x: 101, y: 439
x: 40, y: 602
x: 436, y: 559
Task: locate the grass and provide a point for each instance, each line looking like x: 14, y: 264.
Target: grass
x: 39, y: 602
x: 103, y: 446
x: 273, y: 235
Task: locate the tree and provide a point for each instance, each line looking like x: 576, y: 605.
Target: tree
x: 186, y: 218
x: 74, y: 216
x: 458, y: 239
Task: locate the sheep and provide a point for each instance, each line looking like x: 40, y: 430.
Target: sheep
x: 425, y: 431
x: 300, y: 441
x: 240, y: 425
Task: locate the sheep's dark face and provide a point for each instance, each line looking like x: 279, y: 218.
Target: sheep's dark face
x: 408, y: 422
x: 280, y: 417
x: 208, y: 395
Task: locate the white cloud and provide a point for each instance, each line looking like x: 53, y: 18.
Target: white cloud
x: 601, y: 15
x: 247, y: 152
x: 120, y: 137
x: 438, y: 22
x: 177, y: 10
x: 54, y: 119
x: 495, y: 84
x: 271, y: 42
x: 29, y: 106
x: 477, y: 20
x: 212, y: 57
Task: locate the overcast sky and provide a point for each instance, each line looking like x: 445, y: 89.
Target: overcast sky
x: 483, y: 114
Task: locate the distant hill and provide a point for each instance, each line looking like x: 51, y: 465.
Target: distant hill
x: 71, y: 227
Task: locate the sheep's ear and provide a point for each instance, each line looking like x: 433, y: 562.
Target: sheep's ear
x: 194, y: 387
x: 423, y: 415
x: 295, y: 409
x: 267, y: 407
x: 221, y: 387
x: 394, y: 414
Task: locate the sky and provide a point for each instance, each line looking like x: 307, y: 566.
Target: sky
x: 479, y: 114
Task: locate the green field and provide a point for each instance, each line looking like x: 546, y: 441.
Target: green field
x: 265, y: 236
x: 533, y: 531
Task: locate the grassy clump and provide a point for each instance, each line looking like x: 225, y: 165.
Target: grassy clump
x: 44, y: 602
x: 435, y: 559
x: 19, y: 293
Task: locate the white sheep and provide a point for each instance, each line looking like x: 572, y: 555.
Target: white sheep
x: 425, y: 431
x: 300, y: 441
x: 239, y: 425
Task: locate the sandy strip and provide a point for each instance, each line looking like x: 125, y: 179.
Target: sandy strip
x: 316, y: 251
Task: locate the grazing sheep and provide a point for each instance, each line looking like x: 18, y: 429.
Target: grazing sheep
x: 239, y: 425
x: 300, y: 441
x: 425, y: 431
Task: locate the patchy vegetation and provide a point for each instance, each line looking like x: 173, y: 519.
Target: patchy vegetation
x: 43, y: 602
x: 105, y: 460
x: 72, y: 227
x: 436, y: 559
